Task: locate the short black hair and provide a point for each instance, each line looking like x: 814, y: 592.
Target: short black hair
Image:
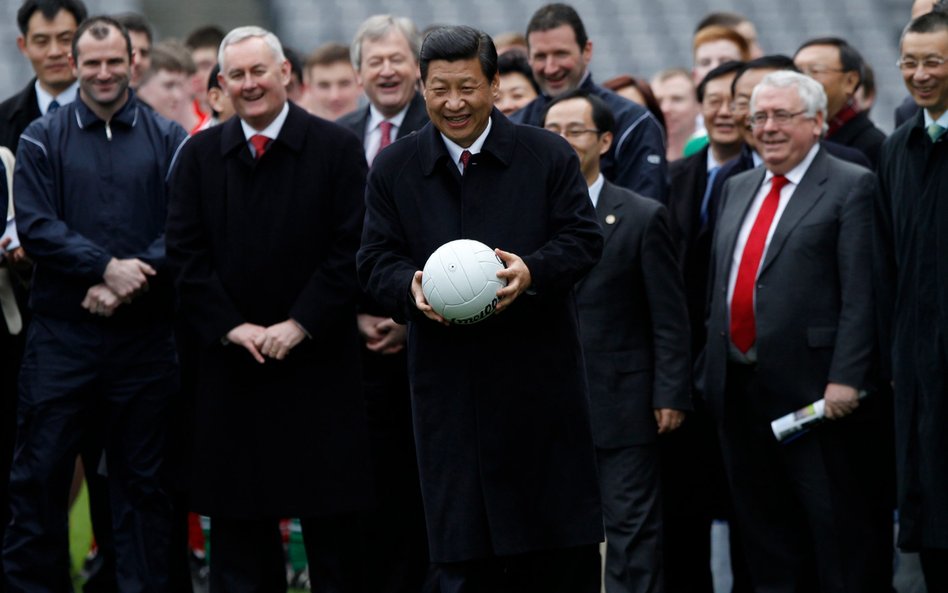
x: 768, y: 62
x: 515, y: 61
x: 132, y: 21
x: 719, y: 71
x: 296, y: 64
x: 206, y: 36
x: 602, y: 116
x: 212, y: 82
x: 931, y: 22
x: 849, y: 57
x: 98, y: 27
x: 49, y: 8
x: 459, y: 43
x: 556, y: 15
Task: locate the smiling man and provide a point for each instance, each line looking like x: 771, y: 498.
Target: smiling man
x: 100, y: 361
x: 263, y: 228
x: 560, y: 53
x: 791, y: 320
x: 500, y: 411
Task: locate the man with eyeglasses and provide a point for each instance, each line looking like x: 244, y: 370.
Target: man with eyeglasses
x: 791, y: 321
x: 838, y: 66
x: 912, y: 223
x: 634, y: 328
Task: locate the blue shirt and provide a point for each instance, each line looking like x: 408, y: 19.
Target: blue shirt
x: 87, y: 191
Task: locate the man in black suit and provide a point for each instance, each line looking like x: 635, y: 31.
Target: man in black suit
x: 838, y: 66
x: 634, y: 326
x: 791, y: 321
x: 263, y: 227
x: 500, y: 408
x: 46, y: 30
x: 385, y: 54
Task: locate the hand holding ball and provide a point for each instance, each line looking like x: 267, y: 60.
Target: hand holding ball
x: 460, y: 281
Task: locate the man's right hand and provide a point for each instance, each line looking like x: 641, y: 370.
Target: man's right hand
x: 381, y: 334
x: 421, y: 302
x: 127, y: 277
x: 247, y: 335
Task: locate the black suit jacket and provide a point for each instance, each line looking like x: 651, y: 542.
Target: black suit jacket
x: 16, y: 113
x: 860, y: 133
x: 415, y: 118
x: 814, y: 303
x: 633, y: 322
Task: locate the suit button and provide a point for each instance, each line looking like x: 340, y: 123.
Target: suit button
x: 723, y: 334
x: 760, y: 286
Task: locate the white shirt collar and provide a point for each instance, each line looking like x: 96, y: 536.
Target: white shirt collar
x: 595, y: 189
x: 758, y: 160
x: 455, y: 150
x: 712, y: 162
x: 795, y: 174
x: 44, y: 99
x: 272, y: 131
x: 941, y: 121
x: 376, y: 117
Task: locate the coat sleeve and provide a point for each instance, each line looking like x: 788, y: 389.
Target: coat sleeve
x: 669, y: 315
x: 202, y: 298
x: 333, y: 288
x: 43, y: 233
x: 855, y: 334
x: 884, y: 271
x: 640, y: 159
x: 385, y: 270
x: 575, y: 243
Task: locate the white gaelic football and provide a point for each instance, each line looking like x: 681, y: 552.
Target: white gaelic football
x: 460, y: 281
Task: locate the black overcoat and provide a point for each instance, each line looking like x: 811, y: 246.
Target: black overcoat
x: 260, y: 242
x: 912, y: 241
x: 501, y: 413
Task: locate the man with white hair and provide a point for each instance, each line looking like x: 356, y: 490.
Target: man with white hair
x: 791, y: 321
x: 264, y: 223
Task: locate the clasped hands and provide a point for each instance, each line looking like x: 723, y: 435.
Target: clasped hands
x: 124, y: 279
x: 274, y: 342
x: 515, y: 272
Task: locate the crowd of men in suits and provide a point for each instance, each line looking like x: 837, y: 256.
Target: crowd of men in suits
x: 212, y: 295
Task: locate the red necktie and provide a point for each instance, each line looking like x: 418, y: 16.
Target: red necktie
x: 743, y: 327
x: 465, y: 159
x: 260, y: 143
x: 386, y: 128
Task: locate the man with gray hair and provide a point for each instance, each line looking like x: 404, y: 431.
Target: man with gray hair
x: 791, y: 321
x: 263, y: 226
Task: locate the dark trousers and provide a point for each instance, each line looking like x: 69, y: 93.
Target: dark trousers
x: 247, y: 555
x: 806, y: 509
x: 935, y: 569
x: 570, y: 570
x: 76, y: 375
x: 11, y: 348
x: 632, y: 514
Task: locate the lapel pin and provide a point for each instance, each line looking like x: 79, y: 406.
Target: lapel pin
x: 610, y: 219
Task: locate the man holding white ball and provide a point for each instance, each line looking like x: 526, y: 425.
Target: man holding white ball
x: 500, y: 407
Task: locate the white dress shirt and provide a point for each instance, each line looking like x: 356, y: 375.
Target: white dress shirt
x: 373, y: 132
x: 44, y: 99
x: 455, y: 150
x: 271, y: 131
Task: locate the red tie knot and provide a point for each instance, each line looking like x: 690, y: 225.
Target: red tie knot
x: 778, y: 182
x: 465, y: 159
x: 260, y: 143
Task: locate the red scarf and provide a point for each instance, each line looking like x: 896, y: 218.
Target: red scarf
x: 845, y: 114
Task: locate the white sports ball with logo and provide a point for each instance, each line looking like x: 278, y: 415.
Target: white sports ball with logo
x: 460, y: 281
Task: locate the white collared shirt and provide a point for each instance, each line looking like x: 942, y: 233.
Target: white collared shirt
x: 941, y: 121
x: 373, y: 132
x: 595, y: 189
x: 793, y: 176
x: 44, y: 99
x: 272, y: 131
x: 712, y: 162
x: 455, y: 150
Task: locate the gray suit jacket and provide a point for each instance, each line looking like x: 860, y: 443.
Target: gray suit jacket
x: 415, y: 118
x: 633, y: 321
x: 813, y: 306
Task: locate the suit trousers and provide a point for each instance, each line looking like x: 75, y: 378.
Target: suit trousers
x: 568, y: 570
x: 630, y: 483
x: 247, y: 555
x: 805, y: 511
x: 78, y: 375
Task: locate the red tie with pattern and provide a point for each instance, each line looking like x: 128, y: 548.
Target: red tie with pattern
x: 465, y: 159
x: 260, y: 143
x: 743, y: 326
x: 386, y: 128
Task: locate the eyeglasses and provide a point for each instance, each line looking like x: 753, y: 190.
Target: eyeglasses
x: 571, y: 133
x: 780, y: 118
x: 818, y: 70
x: 912, y: 64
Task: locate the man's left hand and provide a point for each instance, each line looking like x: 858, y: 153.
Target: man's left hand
x: 277, y: 340
x: 840, y: 400
x: 100, y: 300
x: 518, y: 278
x: 668, y: 419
